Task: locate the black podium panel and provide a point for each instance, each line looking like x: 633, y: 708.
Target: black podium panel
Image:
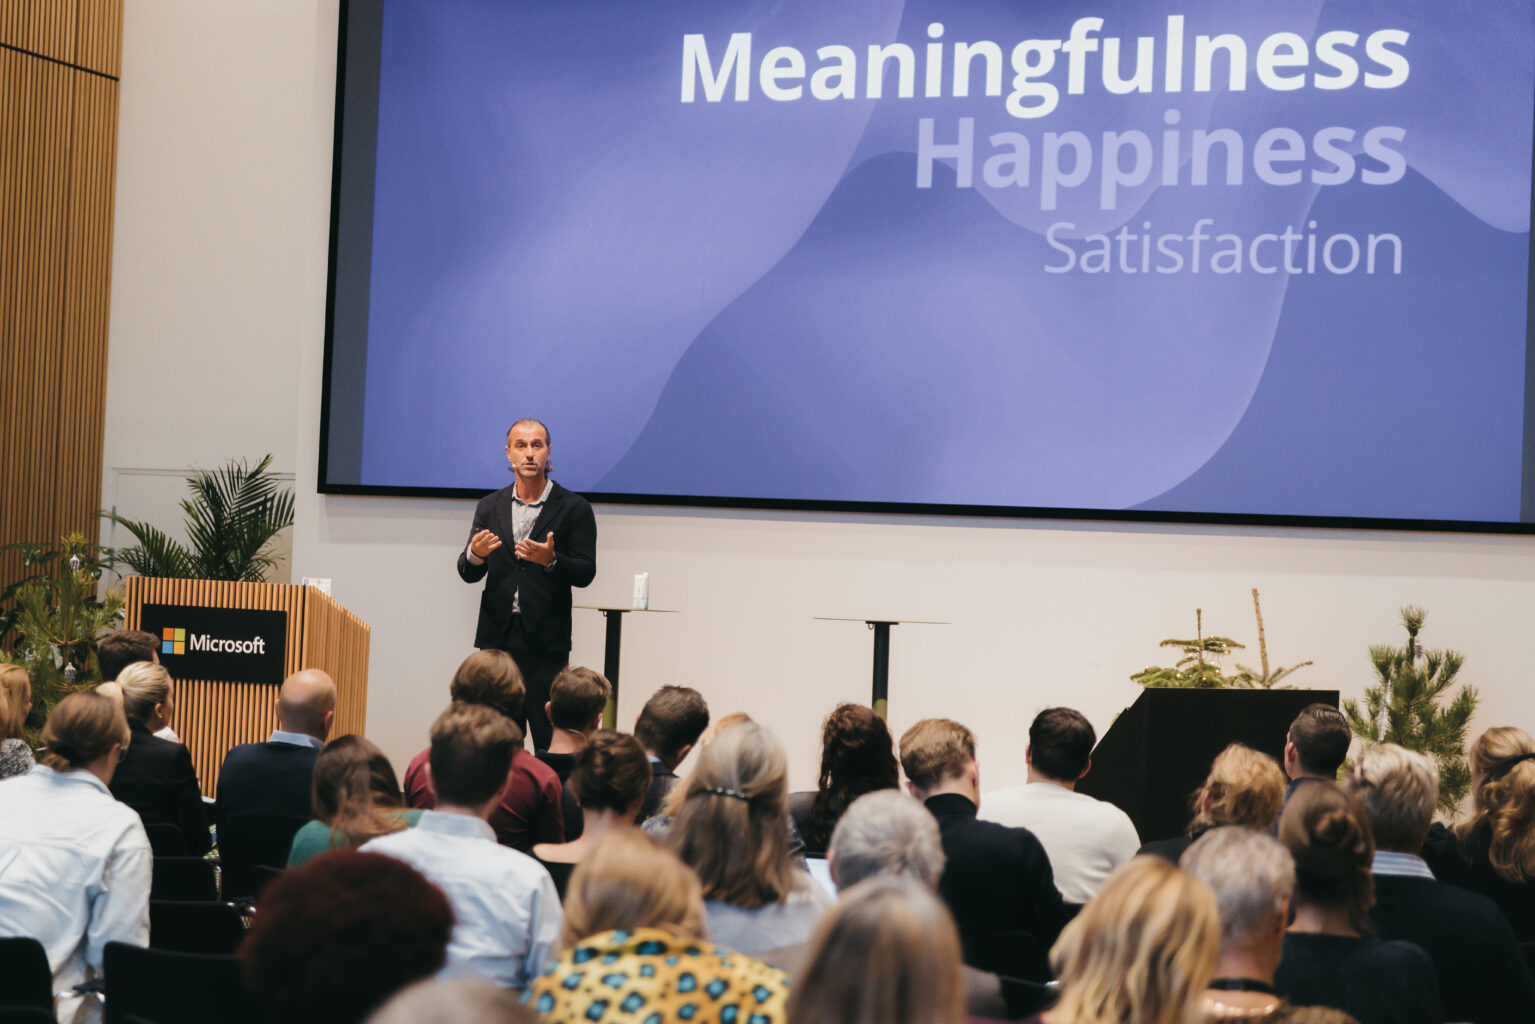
x: 1158, y: 751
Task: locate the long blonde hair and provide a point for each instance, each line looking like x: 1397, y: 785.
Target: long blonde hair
x: 732, y: 827
x: 1244, y: 787
x: 1142, y: 950
x: 627, y: 881
x: 673, y: 802
x: 1504, y: 801
x: 888, y: 954
x: 18, y: 693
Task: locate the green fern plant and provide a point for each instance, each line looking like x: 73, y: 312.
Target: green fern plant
x: 233, y: 515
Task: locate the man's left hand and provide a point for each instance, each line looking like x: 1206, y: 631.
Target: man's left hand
x: 532, y: 551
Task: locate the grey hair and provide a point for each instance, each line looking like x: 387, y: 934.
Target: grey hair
x: 886, y: 832
x: 1253, y: 876
x: 1399, y: 789
x: 462, y: 1001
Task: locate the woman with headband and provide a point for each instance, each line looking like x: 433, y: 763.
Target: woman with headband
x: 730, y: 830
x: 1493, y: 851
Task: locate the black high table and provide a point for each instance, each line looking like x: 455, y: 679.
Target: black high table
x: 881, y: 696
x: 612, y: 645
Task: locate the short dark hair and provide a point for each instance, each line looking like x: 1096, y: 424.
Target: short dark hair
x: 611, y: 773
x: 1321, y: 736
x: 471, y: 755
x: 490, y: 678
x: 339, y: 935
x: 577, y: 696
x: 116, y: 651
x: 673, y: 718
x: 1060, y: 742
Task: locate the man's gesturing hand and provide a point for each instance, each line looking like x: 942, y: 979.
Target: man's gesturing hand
x: 533, y: 551
x: 483, y: 543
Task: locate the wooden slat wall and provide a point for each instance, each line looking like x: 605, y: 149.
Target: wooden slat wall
x: 212, y: 716
x: 59, y: 61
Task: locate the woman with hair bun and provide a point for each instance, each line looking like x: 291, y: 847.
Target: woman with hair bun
x: 356, y: 798
x: 1493, y: 851
x: 610, y: 780
x: 857, y: 757
x: 156, y: 777
x: 1330, y: 957
x: 74, y: 862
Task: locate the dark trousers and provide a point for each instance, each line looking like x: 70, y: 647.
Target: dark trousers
x: 538, y: 668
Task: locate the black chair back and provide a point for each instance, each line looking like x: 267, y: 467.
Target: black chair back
x: 26, y: 1015
x: 192, y: 927
x: 1015, y: 954
x: 248, y: 840
x: 163, y: 987
x: 166, y: 839
x: 265, y: 875
x: 25, y: 977
x: 1529, y: 955
x: 184, y: 878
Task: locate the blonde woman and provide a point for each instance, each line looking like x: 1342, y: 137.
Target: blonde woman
x: 76, y: 862
x: 1141, y: 952
x: 889, y: 954
x: 156, y: 777
x: 1245, y: 787
x: 16, y: 691
x: 1493, y: 851
x: 730, y: 828
x: 634, y: 948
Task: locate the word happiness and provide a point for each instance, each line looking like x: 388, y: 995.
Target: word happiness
x: 1064, y: 159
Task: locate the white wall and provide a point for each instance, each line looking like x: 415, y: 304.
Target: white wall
x: 220, y: 259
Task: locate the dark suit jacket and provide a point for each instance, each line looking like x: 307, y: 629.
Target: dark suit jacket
x: 1482, y: 974
x: 1469, y: 866
x: 263, y: 799
x: 156, y: 778
x: 543, y: 595
x: 998, y: 885
x: 662, y: 780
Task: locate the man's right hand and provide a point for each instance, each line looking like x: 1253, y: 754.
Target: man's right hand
x: 483, y: 543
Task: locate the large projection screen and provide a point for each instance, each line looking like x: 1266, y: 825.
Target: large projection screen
x: 1130, y: 259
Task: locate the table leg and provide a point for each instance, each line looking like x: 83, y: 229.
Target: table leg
x: 881, y: 667
x: 610, y: 652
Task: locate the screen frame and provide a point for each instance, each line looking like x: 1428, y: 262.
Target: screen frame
x: 324, y: 485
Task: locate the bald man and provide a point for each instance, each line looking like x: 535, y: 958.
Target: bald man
x: 263, y: 788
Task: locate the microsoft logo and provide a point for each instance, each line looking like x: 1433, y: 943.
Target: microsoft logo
x: 173, y: 641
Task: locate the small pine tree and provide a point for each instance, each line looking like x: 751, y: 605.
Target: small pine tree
x: 1199, y: 668
x: 1404, y: 707
x: 58, y: 618
x: 1264, y: 678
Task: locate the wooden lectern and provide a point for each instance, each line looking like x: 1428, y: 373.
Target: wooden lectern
x: 214, y: 714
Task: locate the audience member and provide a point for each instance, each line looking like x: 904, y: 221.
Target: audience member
x: 1085, y: 838
x: 668, y: 726
x: 75, y: 863
x: 887, y: 834
x: 1482, y: 973
x: 997, y: 880
x: 1329, y: 960
x: 530, y: 810
x: 1244, y: 788
x: 1493, y: 851
x: 265, y: 789
x: 15, y: 756
x: 121, y: 648
x: 338, y: 936
x: 356, y: 797
x: 461, y: 1001
x: 888, y: 954
x: 610, y: 780
x: 1142, y: 951
x: 730, y: 828
x: 857, y: 757
x: 637, y: 910
x: 576, y: 701
x: 507, y: 910
x: 1315, y: 746
x: 1253, y: 879
x: 156, y: 777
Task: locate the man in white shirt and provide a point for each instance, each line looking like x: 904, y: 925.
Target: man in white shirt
x: 505, y: 903
x: 1085, y: 839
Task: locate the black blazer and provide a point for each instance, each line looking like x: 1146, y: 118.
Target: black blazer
x: 662, y: 780
x: 998, y: 884
x: 263, y: 799
x: 156, y: 778
x: 1482, y: 974
x: 543, y: 595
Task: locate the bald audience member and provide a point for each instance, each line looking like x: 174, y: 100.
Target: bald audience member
x: 1482, y: 972
x: 887, y: 834
x: 264, y: 788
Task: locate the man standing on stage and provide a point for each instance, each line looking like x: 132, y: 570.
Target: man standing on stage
x: 525, y: 610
